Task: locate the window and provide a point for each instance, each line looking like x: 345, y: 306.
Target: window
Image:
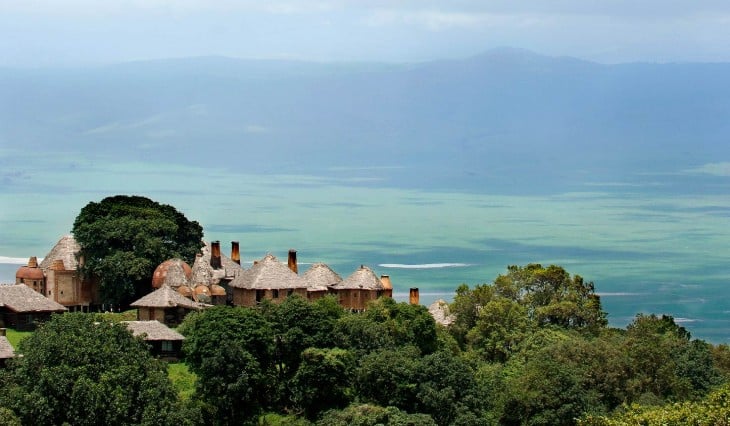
x: 289, y: 292
x: 275, y: 294
x: 259, y: 295
x: 167, y: 346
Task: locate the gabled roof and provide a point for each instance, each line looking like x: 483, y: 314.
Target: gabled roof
x: 22, y: 299
x: 65, y: 249
x: 6, y: 349
x: 165, y: 297
x: 363, y: 278
x: 320, y: 276
x: 153, y: 330
x: 203, y: 273
x: 268, y: 274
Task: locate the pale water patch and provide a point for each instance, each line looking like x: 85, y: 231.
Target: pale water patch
x: 640, y: 250
x: 423, y: 266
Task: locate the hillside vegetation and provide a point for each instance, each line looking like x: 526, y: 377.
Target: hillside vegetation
x: 531, y: 348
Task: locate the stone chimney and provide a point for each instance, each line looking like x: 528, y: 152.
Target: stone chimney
x: 215, y: 254
x: 235, y: 252
x: 33, y: 262
x: 293, y: 261
x: 58, y: 265
x: 414, y: 298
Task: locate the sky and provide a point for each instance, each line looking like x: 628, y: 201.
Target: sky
x: 37, y: 33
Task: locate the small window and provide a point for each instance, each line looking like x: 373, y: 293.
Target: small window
x: 289, y: 292
x: 275, y: 294
x: 166, y: 346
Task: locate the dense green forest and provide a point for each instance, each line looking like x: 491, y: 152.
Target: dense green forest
x: 533, y: 347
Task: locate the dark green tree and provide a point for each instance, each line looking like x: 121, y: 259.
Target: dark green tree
x: 545, y: 392
x: 81, y: 370
x: 665, y: 362
x: 323, y: 380
x: 448, y: 391
x: 124, y: 238
x: 501, y: 325
x: 298, y: 325
x: 389, y: 377
x: 407, y: 324
x: 232, y: 352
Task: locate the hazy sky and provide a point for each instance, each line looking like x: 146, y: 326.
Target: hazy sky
x: 71, y: 32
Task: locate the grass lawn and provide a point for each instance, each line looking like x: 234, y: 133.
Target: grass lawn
x: 130, y: 315
x: 14, y: 337
x: 182, y: 379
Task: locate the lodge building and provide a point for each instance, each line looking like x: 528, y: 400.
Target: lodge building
x: 214, y: 279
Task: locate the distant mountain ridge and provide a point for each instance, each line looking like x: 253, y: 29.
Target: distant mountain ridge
x: 505, y: 119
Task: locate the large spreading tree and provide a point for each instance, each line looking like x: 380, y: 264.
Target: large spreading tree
x: 124, y: 238
x: 83, y: 370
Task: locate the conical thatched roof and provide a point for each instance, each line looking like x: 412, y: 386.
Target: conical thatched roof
x: 268, y: 274
x: 165, y: 297
x: 65, y: 250
x: 6, y: 349
x: 440, y: 312
x: 363, y: 278
x: 172, y: 272
x: 203, y: 273
x: 320, y: 276
x: 23, y: 299
x: 153, y: 330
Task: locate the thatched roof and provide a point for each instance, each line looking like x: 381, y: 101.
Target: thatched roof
x: 172, y: 272
x: 153, y: 330
x: 440, y: 312
x: 65, y: 249
x: 6, y: 349
x: 203, y: 273
x: 22, y: 299
x: 165, y: 297
x: 363, y: 278
x: 268, y: 274
x: 320, y: 276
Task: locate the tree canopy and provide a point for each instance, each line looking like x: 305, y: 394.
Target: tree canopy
x: 124, y: 238
x: 80, y: 369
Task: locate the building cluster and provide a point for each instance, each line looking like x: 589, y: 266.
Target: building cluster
x: 56, y: 285
x: 215, y: 279
x: 177, y: 288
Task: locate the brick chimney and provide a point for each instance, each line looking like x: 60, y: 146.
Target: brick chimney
x: 385, y: 279
x: 387, y: 285
x: 293, y: 261
x: 235, y: 252
x: 33, y: 262
x: 58, y: 265
x: 215, y: 254
x: 414, y: 298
